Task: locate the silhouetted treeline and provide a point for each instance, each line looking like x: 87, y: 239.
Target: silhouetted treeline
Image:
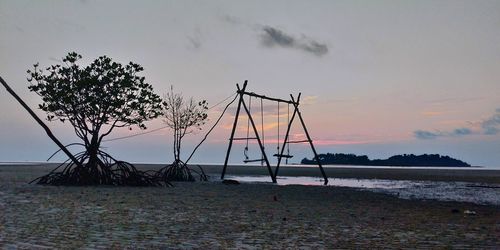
x: 435, y: 160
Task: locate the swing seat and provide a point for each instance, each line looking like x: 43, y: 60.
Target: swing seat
x: 283, y: 156
x: 256, y: 160
x: 302, y: 141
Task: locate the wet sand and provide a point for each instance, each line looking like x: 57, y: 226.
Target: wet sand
x: 213, y: 215
x: 482, y: 175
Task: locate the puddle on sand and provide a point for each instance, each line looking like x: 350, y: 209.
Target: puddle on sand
x: 447, y: 191
x: 315, y: 181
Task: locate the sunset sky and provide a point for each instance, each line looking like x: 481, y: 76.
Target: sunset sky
x: 377, y: 77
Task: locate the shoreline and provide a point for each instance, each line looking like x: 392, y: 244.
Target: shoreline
x: 477, y: 175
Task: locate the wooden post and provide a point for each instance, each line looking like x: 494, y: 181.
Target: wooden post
x: 240, y: 92
x: 40, y: 122
x: 311, y: 142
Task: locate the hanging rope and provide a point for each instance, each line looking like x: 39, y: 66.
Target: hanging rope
x: 134, y: 135
x: 288, y: 138
x: 278, y: 143
x: 225, y: 99
x: 245, y: 151
x: 212, y: 128
x: 262, y: 129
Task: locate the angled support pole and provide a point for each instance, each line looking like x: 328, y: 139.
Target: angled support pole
x: 310, y: 141
x: 40, y: 122
x: 240, y: 101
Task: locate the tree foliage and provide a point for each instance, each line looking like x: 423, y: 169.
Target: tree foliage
x: 95, y: 99
x: 182, y: 117
x: 102, y: 93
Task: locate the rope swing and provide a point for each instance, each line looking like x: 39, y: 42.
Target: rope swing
x: 248, y: 138
x: 245, y: 152
x: 260, y: 137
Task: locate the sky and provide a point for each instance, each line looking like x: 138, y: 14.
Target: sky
x: 377, y: 77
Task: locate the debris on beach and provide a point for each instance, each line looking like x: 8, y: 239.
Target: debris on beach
x: 230, y: 182
x: 469, y: 212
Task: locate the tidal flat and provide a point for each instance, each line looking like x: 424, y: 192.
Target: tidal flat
x: 246, y: 216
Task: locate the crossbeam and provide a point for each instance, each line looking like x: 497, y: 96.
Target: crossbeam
x: 302, y: 141
x: 266, y: 97
x: 244, y: 138
x: 283, y: 156
x: 256, y: 160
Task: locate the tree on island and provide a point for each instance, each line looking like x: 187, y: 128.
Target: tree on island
x: 434, y: 160
x: 96, y: 99
x: 183, y: 117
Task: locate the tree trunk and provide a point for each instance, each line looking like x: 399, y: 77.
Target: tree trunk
x: 40, y: 122
x: 93, y: 150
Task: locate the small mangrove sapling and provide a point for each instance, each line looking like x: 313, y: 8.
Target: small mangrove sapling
x: 183, y: 117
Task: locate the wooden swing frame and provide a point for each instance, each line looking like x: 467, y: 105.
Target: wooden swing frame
x: 296, y: 113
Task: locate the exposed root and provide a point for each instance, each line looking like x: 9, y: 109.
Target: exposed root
x: 179, y: 171
x: 106, y: 171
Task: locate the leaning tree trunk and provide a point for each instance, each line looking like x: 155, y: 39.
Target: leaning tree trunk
x: 40, y: 122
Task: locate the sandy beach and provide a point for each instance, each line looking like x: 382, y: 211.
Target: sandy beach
x: 246, y: 216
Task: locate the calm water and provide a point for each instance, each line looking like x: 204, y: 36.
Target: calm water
x: 446, y: 191
x: 489, y: 167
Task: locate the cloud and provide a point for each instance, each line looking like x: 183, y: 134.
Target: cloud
x: 491, y: 126
x: 272, y: 37
x: 450, y: 100
x: 194, y: 42
x: 426, y: 135
x: 315, y: 48
x: 461, y: 131
x: 195, y: 39
x: 309, y: 99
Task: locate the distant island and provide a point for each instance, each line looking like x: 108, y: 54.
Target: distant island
x: 434, y: 160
